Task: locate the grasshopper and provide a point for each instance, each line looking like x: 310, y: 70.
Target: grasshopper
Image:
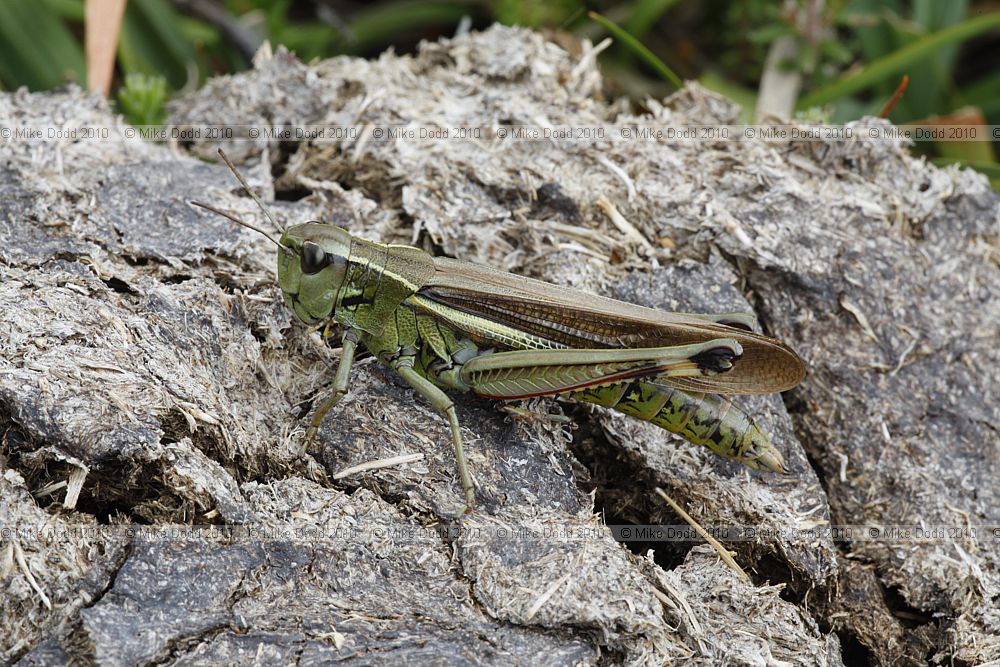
x: 445, y: 324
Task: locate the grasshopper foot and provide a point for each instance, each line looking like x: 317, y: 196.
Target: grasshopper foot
x: 530, y: 416
x: 310, y: 437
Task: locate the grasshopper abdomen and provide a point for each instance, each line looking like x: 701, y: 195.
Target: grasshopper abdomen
x: 702, y: 419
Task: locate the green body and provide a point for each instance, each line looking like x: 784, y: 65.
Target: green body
x: 703, y: 419
x: 444, y: 324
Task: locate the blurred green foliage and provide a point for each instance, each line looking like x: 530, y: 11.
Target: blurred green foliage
x: 37, y: 49
x: 143, y: 99
x: 851, y: 53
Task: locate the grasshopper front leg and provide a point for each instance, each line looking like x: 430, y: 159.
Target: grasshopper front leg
x: 340, y: 382
x: 404, y: 366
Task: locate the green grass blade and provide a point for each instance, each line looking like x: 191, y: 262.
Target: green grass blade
x: 71, y: 10
x: 153, y: 41
x: 36, y: 49
x: 982, y: 91
x: 637, y: 47
x: 895, y: 62
x: 381, y: 24
x: 644, y: 14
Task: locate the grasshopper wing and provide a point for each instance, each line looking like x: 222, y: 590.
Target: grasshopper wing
x: 576, y: 319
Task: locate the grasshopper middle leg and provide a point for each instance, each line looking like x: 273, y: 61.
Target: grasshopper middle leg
x: 439, y: 399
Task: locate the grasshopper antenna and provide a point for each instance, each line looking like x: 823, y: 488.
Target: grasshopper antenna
x: 246, y: 186
x: 239, y: 222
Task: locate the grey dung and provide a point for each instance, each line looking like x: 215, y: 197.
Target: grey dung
x: 152, y: 379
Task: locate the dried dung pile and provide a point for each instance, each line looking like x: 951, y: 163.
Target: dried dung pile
x: 151, y: 380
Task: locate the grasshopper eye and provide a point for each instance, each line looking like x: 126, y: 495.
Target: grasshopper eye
x: 313, y: 258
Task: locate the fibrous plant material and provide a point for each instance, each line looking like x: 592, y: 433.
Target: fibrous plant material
x: 146, y: 351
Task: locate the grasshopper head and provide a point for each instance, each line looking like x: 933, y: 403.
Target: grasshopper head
x: 312, y: 266
x: 312, y: 258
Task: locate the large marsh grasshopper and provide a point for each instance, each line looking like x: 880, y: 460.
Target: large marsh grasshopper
x: 447, y: 324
